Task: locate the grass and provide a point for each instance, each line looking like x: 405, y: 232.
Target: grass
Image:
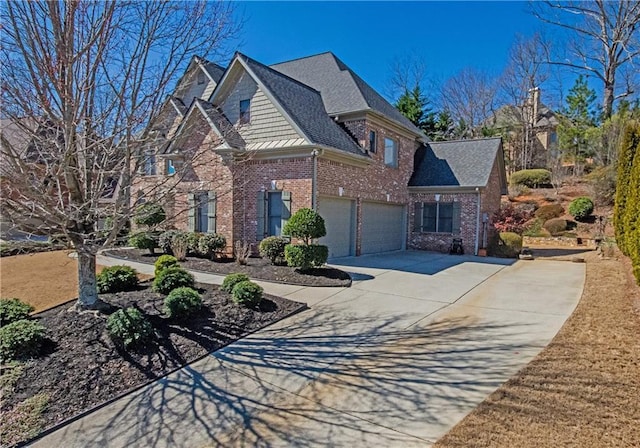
x: 583, y: 388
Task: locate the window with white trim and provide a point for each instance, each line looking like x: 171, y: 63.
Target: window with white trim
x: 169, y: 167
x: 150, y: 162
x: 245, y: 111
x: 201, y: 78
x: 390, y: 152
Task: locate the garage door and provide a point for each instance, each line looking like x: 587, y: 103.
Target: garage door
x: 382, y: 227
x: 339, y: 219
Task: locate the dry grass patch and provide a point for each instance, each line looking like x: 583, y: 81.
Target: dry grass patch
x: 583, y: 389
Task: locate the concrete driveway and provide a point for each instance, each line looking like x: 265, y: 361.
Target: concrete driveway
x: 396, y: 360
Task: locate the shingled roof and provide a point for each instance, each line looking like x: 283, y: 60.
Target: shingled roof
x: 342, y: 90
x: 304, y: 106
x: 461, y: 163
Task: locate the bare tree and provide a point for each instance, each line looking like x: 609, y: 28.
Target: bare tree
x: 604, y: 41
x: 470, y: 98
x: 81, y: 79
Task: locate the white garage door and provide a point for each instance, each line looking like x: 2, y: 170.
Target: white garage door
x: 339, y: 219
x: 382, y: 227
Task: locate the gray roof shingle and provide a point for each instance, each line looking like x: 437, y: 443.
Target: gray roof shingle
x: 305, y: 107
x: 342, y: 90
x: 461, y: 163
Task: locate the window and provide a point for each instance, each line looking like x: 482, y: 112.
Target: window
x: 274, y: 207
x: 391, y: 152
x: 372, y: 141
x: 170, y: 168
x: 202, y: 211
x: 150, y: 163
x: 440, y: 217
x: 553, y: 138
x: 201, y: 78
x: 245, y: 111
x: 272, y: 212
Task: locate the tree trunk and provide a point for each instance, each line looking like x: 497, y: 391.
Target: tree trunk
x: 607, y: 101
x: 87, y: 290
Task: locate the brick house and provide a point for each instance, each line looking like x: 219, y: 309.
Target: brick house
x: 248, y: 145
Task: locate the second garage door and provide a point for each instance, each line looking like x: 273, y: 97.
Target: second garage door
x: 339, y: 219
x: 383, y: 227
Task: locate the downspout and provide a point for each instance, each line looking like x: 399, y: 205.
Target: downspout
x: 477, y: 222
x: 314, y: 180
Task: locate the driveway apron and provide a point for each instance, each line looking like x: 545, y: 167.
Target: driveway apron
x: 414, y: 345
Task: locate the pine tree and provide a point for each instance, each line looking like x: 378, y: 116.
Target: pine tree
x: 415, y: 106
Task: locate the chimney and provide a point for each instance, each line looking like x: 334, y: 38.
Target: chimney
x: 534, y: 101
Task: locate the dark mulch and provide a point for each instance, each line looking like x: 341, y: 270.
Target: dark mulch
x: 258, y: 268
x: 82, y: 367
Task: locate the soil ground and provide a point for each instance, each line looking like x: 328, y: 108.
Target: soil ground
x: 43, y: 280
x: 256, y: 269
x: 81, y: 366
x: 582, y: 390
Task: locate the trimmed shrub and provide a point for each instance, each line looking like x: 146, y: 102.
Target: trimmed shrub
x: 129, y: 327
x: 182, y: 302
x: 172, y: 278
x: 165, y: 262
x: 531, y: 178
x: 510, y: 219
x: 305, y: 224
x: 231, y: 280
x: 547, y: 212
x: 20, y: 339
x: 144, y: 240
x: 12, y: 310
x: 273, y: 248
x: 555, y: 226
x: 209, y: 244
x: 149, y: 214
x: 165, y: 240
x: 306, y: 257
x: 193, y: 240
x: 580, y: 208
x: 247, y: 293
x: 116, y: 278
x: 505, y: 245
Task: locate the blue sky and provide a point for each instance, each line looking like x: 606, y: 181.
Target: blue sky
x: 368, y: 36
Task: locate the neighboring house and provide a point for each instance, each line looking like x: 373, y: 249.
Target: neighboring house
x: 249, y: 145
x: 530, y: 132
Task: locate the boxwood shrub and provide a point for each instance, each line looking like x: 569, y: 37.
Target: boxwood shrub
x: 505, y: 245
x: 231, y: 280
x: 129, y: 327
x: 12, y: 310
x: 165, y: 262
x: 580, y: 208
x: 21, y: 339
x: 272, y: 248
x: 247, y: 293
x: 531, y: 178
x: 182, y: 302
x: 116, y: 278
x: 306, y: 257
x: 547, y: 212
x: 144, y: 240
x: 209, y: 244
x: 555, y: 226
x: 172, y: 278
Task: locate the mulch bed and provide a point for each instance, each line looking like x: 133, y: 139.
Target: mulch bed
x: 82, y: 367
x: 257, y: 268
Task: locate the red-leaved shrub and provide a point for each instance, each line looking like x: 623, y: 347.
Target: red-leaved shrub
x: 511, y: 219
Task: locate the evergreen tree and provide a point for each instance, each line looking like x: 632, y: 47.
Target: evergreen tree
x: 624, y: 209
x: 415, y: 106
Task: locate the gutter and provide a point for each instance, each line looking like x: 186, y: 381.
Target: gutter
x: 477, y: 223
x: 314, y: 180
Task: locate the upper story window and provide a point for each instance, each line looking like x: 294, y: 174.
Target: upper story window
x: 201, y: 78
x: 150, y: 163
x: 245, y: 111
x: 372, y: 141
x: 169, y: 167
x: 391, y: 152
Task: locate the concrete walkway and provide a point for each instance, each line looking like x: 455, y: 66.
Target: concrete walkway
x: 396, y: 360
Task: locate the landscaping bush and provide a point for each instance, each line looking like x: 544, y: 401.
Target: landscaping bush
x: 180, y: 245
x: 305, y: 224
x: 129, y: 327
x: 144, y: 240
x: 172, y: 278
x: 149, y: 214
x: 247, y: 293
x: 20, y: 339
x: 534, y: 228
x: 555, y: 226
x: 165, y: 240
x: 193, y: 240
x: 209, y: 244
x: 517, y: 190
x: 306, y: 257
x: 273, y: 248
x: 182, y: 302
x: 165, y: 262
x: 580, y: 208
x: 531, y: 178
x: 231, y: 280
x: 510, y: 219
x: 603, y: 184
x: 506, y: 245
x: 116, y: 278
x: 12, y: 310
x: 547, y: 212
